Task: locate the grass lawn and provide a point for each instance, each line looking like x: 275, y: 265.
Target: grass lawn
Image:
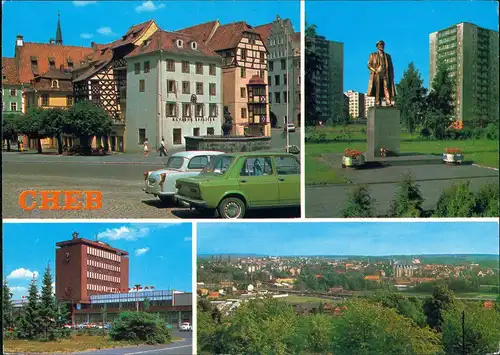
x: 75, y: 344
x: 307, y: 299
x: 483, y: 152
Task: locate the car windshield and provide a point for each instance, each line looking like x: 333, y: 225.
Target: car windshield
x: 175, y: 163
x: 218, y: 165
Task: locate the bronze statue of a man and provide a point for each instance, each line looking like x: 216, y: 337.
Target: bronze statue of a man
x: 381, y: 76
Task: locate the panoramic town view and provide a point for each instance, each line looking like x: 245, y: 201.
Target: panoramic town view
x: 402, y: 111
x: 147, y: 103
x: 363, y: 288
x: 90, y: 287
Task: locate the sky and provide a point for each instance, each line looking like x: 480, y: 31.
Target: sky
x: 347, y: 238
x: 104, y: 21
x: 404, y: 27
x: 160, y: 254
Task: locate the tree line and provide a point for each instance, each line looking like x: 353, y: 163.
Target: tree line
x: 384, y: 324
x: 83, y: 120
x: 457, y: 200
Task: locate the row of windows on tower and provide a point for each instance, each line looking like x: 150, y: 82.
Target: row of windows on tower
x: 103, y: 265
x: 104, y: 254
x: 102, y: 277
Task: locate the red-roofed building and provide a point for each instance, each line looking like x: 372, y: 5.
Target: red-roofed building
x: 11, y: 87
x: 244, y: 55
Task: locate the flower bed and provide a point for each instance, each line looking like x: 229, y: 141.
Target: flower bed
x: 453, y: 155
x: 352, y: 158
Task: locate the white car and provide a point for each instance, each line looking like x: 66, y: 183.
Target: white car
x: 161, y: 183
x: 186, y: 327
x: 290, y: 127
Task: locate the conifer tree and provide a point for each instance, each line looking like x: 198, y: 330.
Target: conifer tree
x: 48, y: 309
x: 29, y: 322
x: 411, y: 98
x: 7, y: 307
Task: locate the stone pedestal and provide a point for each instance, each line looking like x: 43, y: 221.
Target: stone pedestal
x: 383, y: 131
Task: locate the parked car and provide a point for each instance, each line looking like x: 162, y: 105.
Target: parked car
x: 185, y: 327
x: 161, y: 183
x: 233, y: 183
x: 290, y: 127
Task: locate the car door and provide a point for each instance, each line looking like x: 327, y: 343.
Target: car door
x: 288, y: 177
x: 258, y: 182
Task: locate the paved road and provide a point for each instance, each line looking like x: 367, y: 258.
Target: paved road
x: 328, y: 201
x: 118, y: 177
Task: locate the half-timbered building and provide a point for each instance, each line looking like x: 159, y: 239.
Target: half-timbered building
x: 244, y: 73
x: 102, y: 79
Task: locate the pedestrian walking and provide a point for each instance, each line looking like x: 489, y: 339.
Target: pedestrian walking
x: 146, y: 148
x: 163, y: 148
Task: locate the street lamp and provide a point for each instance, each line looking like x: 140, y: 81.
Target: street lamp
x: 137, y: 288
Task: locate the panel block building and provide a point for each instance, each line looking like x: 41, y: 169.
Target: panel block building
x: 470, y: 54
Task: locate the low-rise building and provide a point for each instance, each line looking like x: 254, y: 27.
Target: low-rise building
x: 12, y: 98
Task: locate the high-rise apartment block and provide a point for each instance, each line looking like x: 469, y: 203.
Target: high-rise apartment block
x: 329, y: 82
x: 369, y: 102
x: 470, y: 54
x: 356, y: 104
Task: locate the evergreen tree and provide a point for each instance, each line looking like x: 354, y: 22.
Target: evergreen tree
x: 313, y: 67
x: 146, y: 304
x: 7, y: 318
x: 29, y: 322
x: 63, y: 314
x: 411, y: 98
x: 359, y: 203
x: 440, y: 107
x: 408, y: 199
x: 435, y: 307
x: 48, y: 309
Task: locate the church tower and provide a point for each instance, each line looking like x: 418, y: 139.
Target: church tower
x: 59, y: 39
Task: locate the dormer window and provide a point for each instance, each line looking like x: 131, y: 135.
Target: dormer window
x: 70, y: 62
x: 52, y: 63
x: 180, y: 43
x: 55, y: 84
x: 34, y: 64
x: 194, y: 46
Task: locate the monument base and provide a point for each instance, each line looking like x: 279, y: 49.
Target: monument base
x: 383, y: 132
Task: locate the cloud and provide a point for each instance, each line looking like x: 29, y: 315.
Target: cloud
x: 22, y: 273
x: 141, y: 251
x: 106, y: 31
x: 86, y: 35
x: 18, y: 289
x: 148, y: 6
x: 53, y: 284
x: 83, y: 3
x: 124, y: 233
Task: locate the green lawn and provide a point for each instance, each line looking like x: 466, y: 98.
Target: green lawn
x: 483, y: 152
x: 75, y: 344
x: 306, y: 299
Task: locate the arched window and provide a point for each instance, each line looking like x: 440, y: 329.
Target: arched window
x: 55, y: 83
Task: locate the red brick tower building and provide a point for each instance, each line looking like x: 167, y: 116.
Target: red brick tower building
x: 85, y: 268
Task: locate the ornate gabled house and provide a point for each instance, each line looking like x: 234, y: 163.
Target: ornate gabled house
x: 102, y: 79
x: 244, y: 73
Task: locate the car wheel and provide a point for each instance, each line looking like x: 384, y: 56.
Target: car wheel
x: 166, y: 199
x: 232, y: 208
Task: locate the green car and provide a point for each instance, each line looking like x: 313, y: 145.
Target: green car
x: 232, y: 183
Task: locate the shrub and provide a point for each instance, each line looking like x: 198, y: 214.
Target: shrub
x: 359, y: 203
x: 456, y: 201
x: 316, y: 137
x: 61, y: 333
x: 491, y: 131
x: 140, y: 327
x: 425, y: 133
x: 407, y: 200
x: 487, y: 201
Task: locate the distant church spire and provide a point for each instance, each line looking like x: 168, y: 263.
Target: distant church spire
x: 59, y: 39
